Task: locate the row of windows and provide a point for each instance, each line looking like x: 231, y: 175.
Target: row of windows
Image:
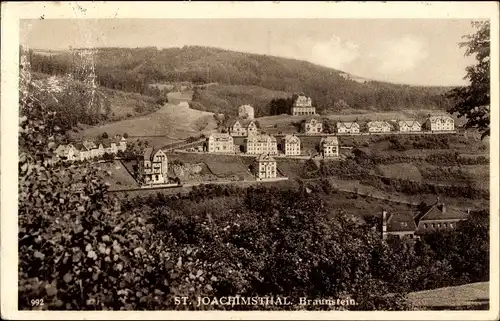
x: 438, y: 225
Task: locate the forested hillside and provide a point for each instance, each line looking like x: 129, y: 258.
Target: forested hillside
x: 133, y: 69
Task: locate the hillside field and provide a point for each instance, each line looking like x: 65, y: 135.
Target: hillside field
x: 172, y: 122
x: 474, y: 296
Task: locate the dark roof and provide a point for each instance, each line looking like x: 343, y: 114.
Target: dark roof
x: 401, y: 222
x: 80, y: 146
x: 436, y: 213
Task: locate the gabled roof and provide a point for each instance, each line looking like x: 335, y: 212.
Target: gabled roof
x: 409, y: 123
x: 148, y: 152
x: 265, y: 158
x: 243, y: 122
x: 81, y: 147
x: 401, y: 222
x: 441, y: 117
x: 347, y: 124
x: 436, y: 213
x: 330, y: 140
x: 291, y: 137
x: 378, y: 123
x: 221, y: 137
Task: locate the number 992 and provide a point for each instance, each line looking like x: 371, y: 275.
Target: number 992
x: 36, y: 302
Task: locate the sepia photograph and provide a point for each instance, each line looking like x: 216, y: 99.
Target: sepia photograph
x: 221, y: 162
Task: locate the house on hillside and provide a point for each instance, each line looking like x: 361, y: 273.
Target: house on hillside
x: 408, y: 126
x: 439, y: 217
x: 436, y: 218
x: 260, y: 144
x: 246, y: 112
x: 153, y: 167
x: 329, y: 146
x: 378, y: 126
x: 302, y: 105
x: 290, y: 145
x: 242, y: 127
x: 264, y: 167
x: 220, y: 143
x: 398, y: 225
x: 439, y: 123
x: 347, y: 128
x: 312, y: 125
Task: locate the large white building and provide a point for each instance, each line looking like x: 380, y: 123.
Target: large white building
x: 439, y: 123
x: 260, y: 144
x: 290, y: 145
x: 220, y: 143
x: 153, y: 167
x: 347, y: 128
x: 378, y: 126
x: 246, y: 112
x: 302, y: 105
x: 329, y: 146
x: 265, y: 167
x: 409, y: 126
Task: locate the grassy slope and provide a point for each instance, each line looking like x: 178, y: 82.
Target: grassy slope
x: 455, y: 297
x: 170, y: 121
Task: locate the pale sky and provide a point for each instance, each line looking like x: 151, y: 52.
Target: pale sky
x: 410, y: 51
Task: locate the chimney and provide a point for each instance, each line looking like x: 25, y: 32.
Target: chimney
x: 384, y: 224
x: 468, y: 211
x: 437, y: 200
x: 443, y: 208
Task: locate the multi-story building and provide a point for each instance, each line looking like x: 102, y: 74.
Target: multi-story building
x: 434, y: 219
x: 347, y: 128
x: 378, y: 126
x: 312, y: 125
x: 246, y: 112
x: 329, y: 146
x: 290, y: 145
x: 409, y: 126
x: 242, y: 127
x: 439, y: 218
x: 260, y: 144
x: 153, y: 167
x: 220, y: 143
x: 439, y: 123
x: 302, y: 105
x: 264, y: 167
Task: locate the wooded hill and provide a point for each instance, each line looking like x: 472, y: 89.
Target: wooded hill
x: 132, y: 69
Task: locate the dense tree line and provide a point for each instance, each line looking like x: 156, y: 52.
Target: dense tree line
x: 132, y: 69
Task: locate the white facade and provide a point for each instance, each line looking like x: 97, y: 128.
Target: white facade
x: 246, y: 112
x: 265, y: 167
x: 347, y: 128
x: 330, y: 146
x: 88, y: 149
x: 241, y: 128
x: 379, y: 127
x: 312, y: 126
x: 303, y: 106
x: 220, y: 143
x: 153, y: 167
x: 291, y: 145
x: 261, y: 144
x: 440, y: 123
x: 409, y: 126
